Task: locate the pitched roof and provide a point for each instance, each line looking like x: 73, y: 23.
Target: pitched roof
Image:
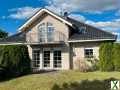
x: 16, y: 38
x: 90, y: 32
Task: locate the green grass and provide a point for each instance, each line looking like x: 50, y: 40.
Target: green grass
x: 48, y: 80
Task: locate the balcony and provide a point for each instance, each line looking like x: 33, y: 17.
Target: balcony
x: 38, y: 38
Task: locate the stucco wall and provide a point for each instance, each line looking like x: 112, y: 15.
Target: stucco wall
x: 77, y: 51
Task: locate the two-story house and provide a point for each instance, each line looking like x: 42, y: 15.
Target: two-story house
x: 57, y: 42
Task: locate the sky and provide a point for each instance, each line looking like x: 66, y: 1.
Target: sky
x: 103, y: 14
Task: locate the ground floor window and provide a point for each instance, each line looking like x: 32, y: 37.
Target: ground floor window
x: 36, y: 58
x: 57, y: 58
x: 88, y: 52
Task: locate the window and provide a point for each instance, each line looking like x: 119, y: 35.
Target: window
x: 42, y: 32
x: 46, y: 58
x: 36, y: 58
x: 46, y: 31
x: 82, y: 29
x: 88, y: 53
x: 50, y: 31
x: 57, y: 58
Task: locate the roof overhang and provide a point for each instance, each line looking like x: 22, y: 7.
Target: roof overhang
x: 94, y: 40
x: 38, y: 15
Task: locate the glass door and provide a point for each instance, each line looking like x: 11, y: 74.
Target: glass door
x: 46, y: 58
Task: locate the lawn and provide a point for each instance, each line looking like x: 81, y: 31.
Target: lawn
x: 63, y: 80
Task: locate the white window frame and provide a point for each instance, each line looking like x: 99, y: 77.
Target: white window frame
x: 36, y: 60
x: 88, y: 55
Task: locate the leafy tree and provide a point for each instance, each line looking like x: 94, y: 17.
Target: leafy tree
x: 105, y: 62
x: 3, y: 34
x: 116, y: 56
x: 14, y: 60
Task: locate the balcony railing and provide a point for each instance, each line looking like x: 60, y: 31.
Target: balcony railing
x: 47, y: 38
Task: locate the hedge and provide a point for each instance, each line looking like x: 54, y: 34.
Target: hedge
x: 105, y: 56
x: 116, y: 56
x: 14, y: 60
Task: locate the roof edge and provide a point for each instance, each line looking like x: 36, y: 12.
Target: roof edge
x: 37, y: 13
x: 73, y: 41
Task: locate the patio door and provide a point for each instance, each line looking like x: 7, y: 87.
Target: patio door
x: 46, y: 59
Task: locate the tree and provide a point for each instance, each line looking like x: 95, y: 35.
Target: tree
x: 106, y: 62
x: 15, y: 60
x: 3, y: 34
x: 116, y: 56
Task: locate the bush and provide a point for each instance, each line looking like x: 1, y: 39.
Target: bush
x: 15, y: 60
x: 116, y: 56
x: 82, y: 65
x: 106, y: 62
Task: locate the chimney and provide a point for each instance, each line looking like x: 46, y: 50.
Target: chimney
x: 65, y: 15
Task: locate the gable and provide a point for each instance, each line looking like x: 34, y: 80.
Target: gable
x: 38, y: 14
x: 57, y: 24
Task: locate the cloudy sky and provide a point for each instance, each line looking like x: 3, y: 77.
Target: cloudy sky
x: 104, y: 14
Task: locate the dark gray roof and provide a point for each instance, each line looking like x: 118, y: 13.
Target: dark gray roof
x: 16, y: 38
x: 90, y: 32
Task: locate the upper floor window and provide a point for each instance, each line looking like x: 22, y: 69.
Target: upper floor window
x: 42, y: 27
x: 88, y: 52
x: 46, y: 31
x: 42, y: 32
x: 82, y: 29
x: 50, y: 27
x: 46, y: 27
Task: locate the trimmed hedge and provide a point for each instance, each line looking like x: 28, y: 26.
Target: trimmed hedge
x: 109, y: 55
x: 116, y: 56
x: 14, y: 60
x: 105, y: 56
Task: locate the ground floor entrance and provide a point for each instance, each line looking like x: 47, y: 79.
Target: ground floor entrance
x: 46, y: 58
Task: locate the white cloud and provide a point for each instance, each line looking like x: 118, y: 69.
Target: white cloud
x: 78, y: 17
x: 94, y: 6
x: 22, y: 13
x: 107, y: 25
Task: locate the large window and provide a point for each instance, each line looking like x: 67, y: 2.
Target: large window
x: 88, y: 53
x: 50, y: 31
x: 46, y: 31
x: 36, y: 58
x: 57, y: 58
x: 42, y: 32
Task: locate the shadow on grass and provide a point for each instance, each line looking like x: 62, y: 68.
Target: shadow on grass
x: 85, y: 85
x: 4, y: 77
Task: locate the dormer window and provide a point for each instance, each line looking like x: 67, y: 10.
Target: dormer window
x: 82, y: 29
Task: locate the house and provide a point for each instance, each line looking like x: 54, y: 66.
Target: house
x: 57, y: 42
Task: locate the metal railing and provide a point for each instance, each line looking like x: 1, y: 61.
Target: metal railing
x: 47, y: 38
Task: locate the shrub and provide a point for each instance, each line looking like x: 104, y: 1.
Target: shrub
x: 82, y: 65
x: 105, y: 56
x: 116, y: 56
x: 15, y: 60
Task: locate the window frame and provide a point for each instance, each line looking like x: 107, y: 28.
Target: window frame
x: 57, y: 58
x: 46, y: 31
x: 36, y: 59
x: 89, y: 53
